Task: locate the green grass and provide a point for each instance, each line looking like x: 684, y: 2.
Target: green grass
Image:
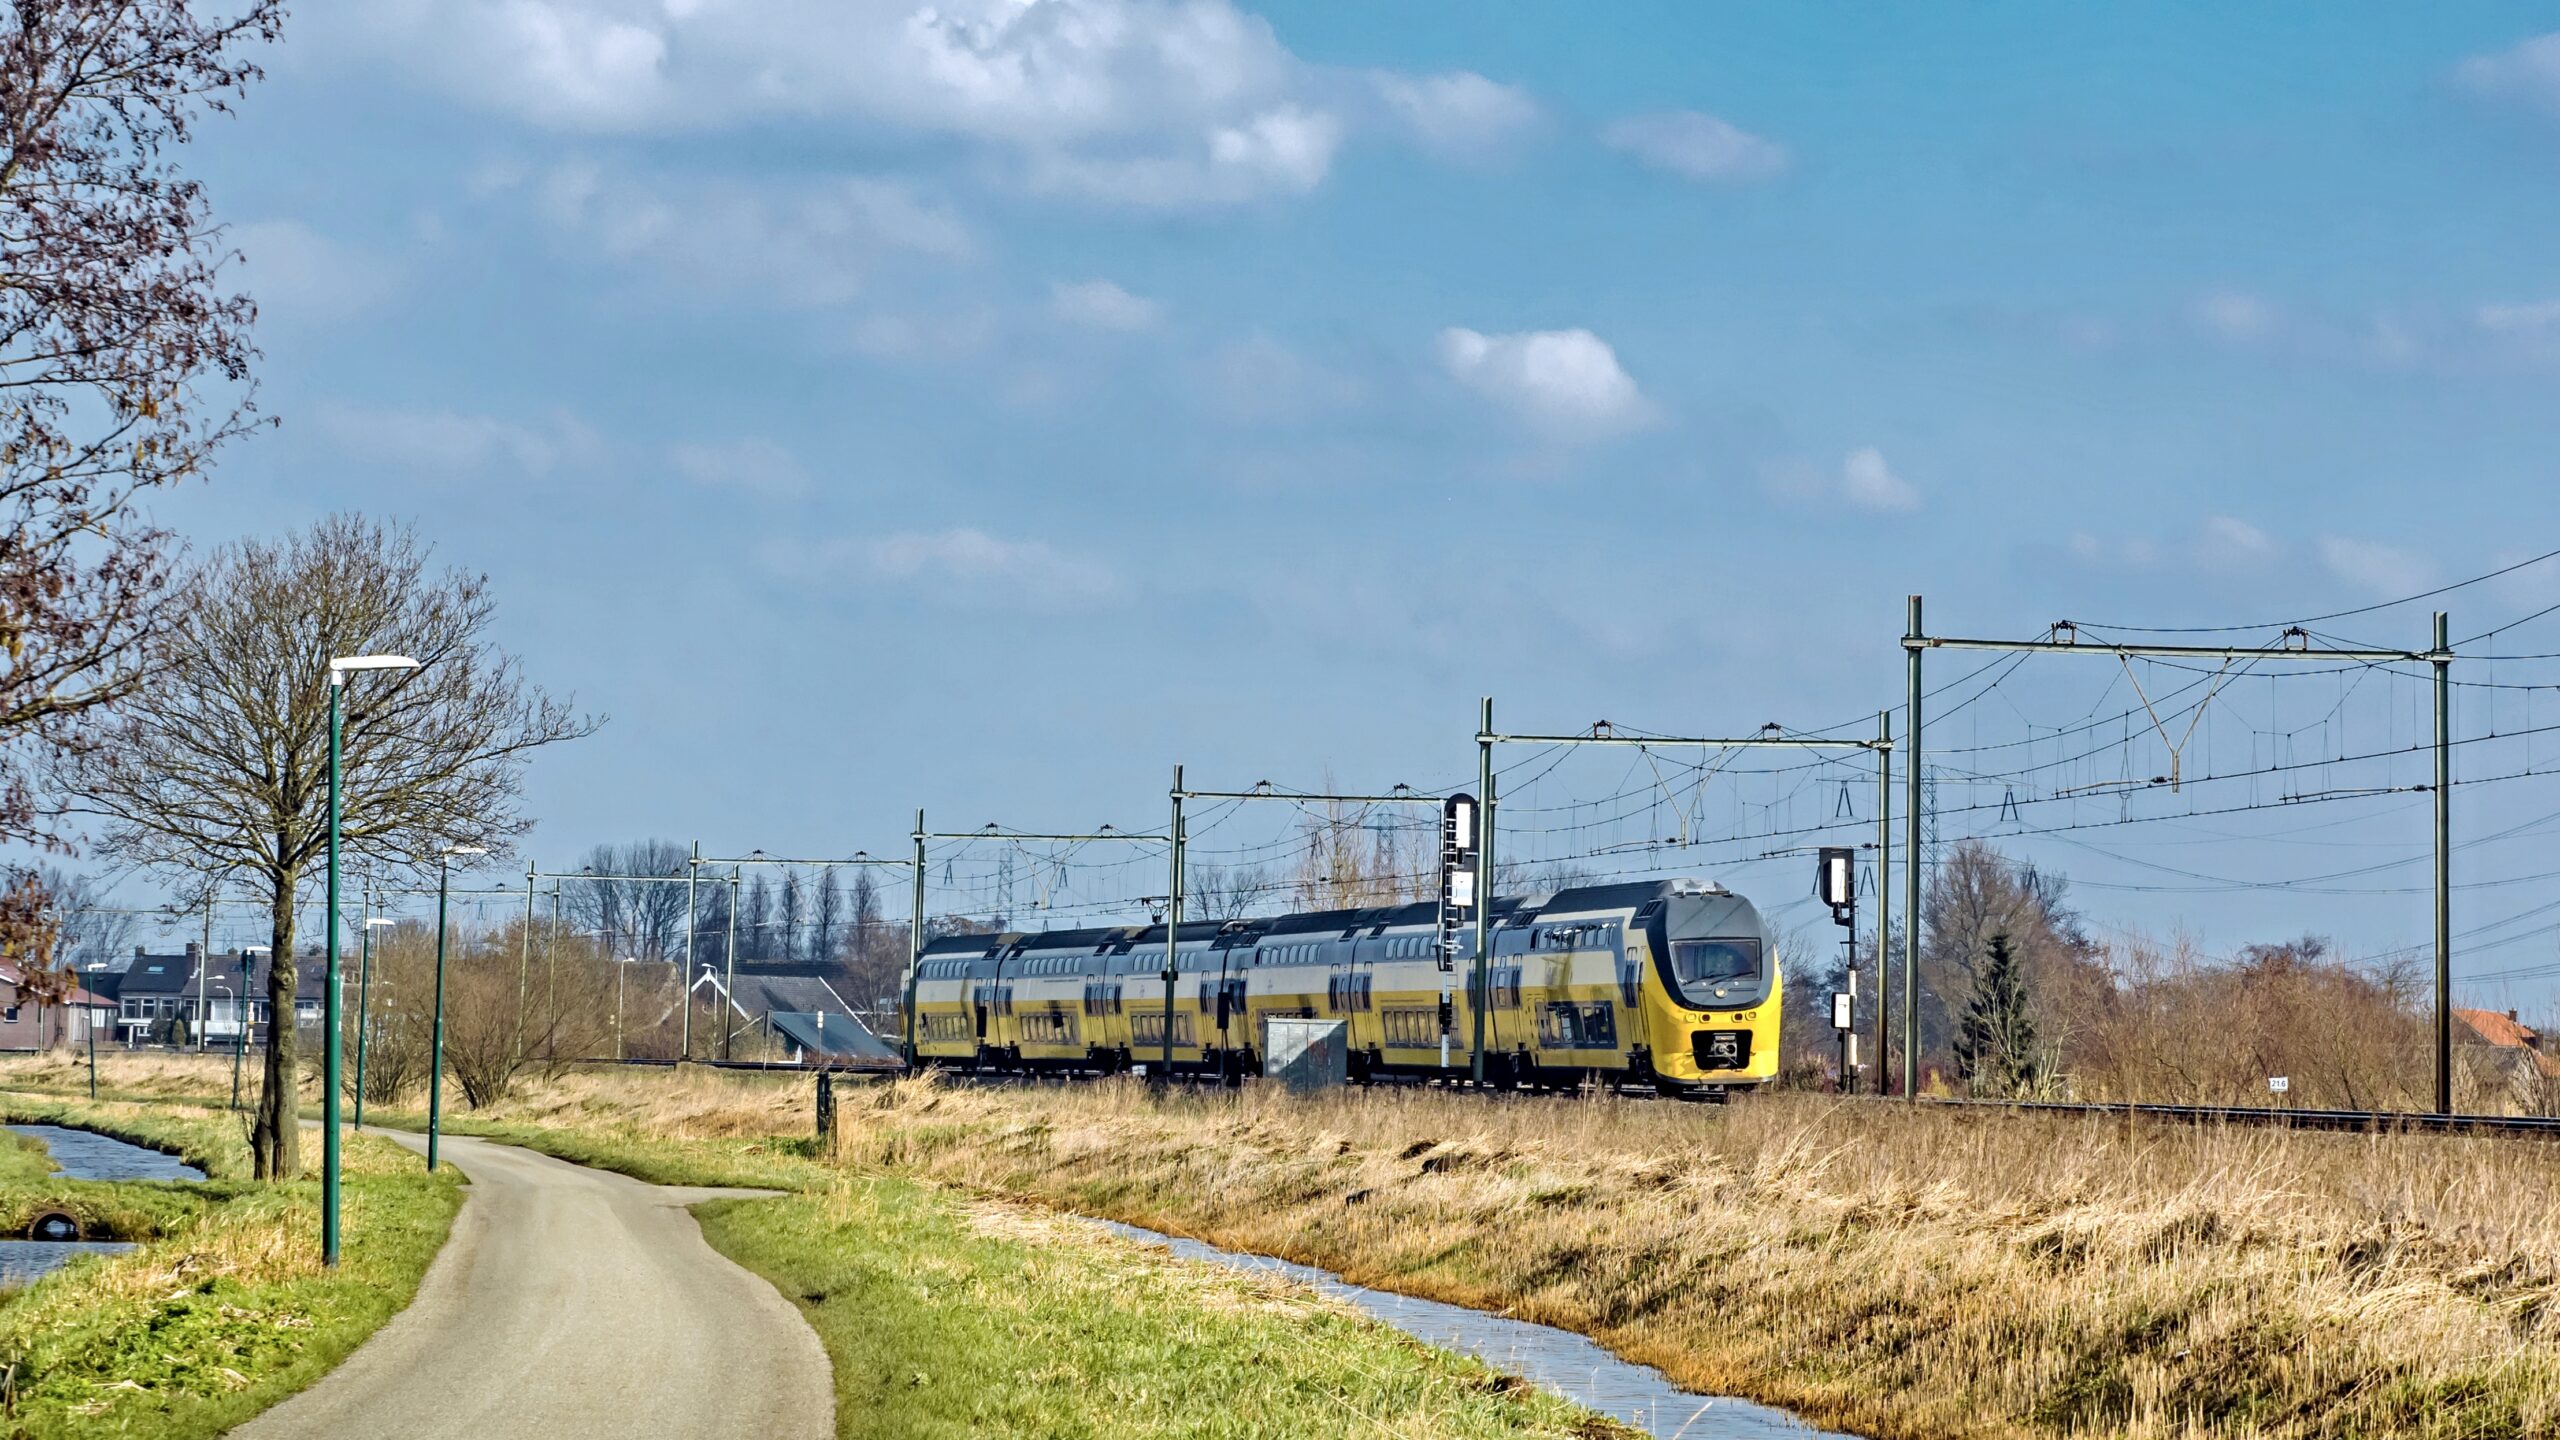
x: 941, y: 1322
x: 942, y: 1317
x: 225, y: 1310
x: 944, y: 1321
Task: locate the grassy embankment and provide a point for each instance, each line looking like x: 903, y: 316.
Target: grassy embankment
x: 944, y: 1316
x: 1904, y: 1274
x: 226, y: 1308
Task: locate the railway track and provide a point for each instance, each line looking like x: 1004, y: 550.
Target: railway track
x: 2352, y: 1121
x: 2370, y: 1121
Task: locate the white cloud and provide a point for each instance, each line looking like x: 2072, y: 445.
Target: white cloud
x: 2526, y: 74
x: 751, y: 463
x: 806, y: 244
x: 1153, y: 103
x: 1101, y: 305
x: 1565, y: 381
x: 1287, y: 150
x: 445, y: 442
x: 965, y: 568
x: 1460, y: 113
x: 1697, y: 146
x: 2228, y: 542
x: 2526, y: 318
x: 301, y: 276
x: 2381, y: 571
x: 1870, y: 484
x: 2235, y: 315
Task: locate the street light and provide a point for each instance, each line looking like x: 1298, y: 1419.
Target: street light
x: 435, y: 1055
x: 235, y: 1083
x: 339, y: 668
x: 364, y: 1007
x: 240, y: 1032
x: 620, y: 969
x: 92, y: 1027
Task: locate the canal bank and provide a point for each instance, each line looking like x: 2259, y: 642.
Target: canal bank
x: 222, y: 1307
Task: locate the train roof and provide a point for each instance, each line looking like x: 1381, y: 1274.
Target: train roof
x: 1514, y: 909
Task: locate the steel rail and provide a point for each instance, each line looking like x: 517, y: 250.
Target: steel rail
x: 2374, y: 1121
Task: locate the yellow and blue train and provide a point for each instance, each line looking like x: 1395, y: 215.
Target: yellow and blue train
x: 1668, y: 983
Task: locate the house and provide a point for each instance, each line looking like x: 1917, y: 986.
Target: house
x: 801, y: 1011
x: 32, y: 1020
x: 2507, y: 1056
x: 182, y: 999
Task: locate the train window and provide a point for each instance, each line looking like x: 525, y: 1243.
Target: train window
x: 1703, y: 970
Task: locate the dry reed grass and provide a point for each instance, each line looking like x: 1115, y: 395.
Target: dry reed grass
x: 1900, y: 1273
x: 1930, y: 1274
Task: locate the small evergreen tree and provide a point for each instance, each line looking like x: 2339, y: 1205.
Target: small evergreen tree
x: 1996, y: 1042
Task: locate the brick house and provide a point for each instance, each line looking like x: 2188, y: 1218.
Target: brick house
x: 28, y: 1022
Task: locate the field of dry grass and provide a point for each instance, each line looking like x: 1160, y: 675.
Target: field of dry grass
x: 1902, y: 1274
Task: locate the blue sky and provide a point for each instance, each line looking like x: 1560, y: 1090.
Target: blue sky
x: 986, y: 405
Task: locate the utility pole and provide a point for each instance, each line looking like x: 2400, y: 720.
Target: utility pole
x: 684, y: 977
x: 1911, y: 871
x: 1480, y: 999
x: 729, y: 963
x: 2294, y: 644
x: 204, y: 972
x: 2443, y: 660
x: 915, y: 939
x: 1172, y: 926
x: 524, y: 957
x: 1884, y: 901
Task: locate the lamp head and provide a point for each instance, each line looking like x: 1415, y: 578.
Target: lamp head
x: 340, y: 665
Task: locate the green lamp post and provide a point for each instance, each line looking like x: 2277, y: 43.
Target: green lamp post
x: 339, y: 668
x: 435, y: 1047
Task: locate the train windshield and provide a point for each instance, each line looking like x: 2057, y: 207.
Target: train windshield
x: 1708, y: 970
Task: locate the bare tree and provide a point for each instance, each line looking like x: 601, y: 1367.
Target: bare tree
x: 826, y: 918
x: 1354, y: 858
x: 222, y: 763
x: 1225, y: 892
x: 755, y: 917
x: 787, y: 917
x: 90, y: 930
x: 111, y: 317
x: 642, y: 918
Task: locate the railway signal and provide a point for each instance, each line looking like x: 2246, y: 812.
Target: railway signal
x: 1835, y: 883
x: 1457, y: 874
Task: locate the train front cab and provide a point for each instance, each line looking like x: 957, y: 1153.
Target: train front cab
x: 1711, y: 992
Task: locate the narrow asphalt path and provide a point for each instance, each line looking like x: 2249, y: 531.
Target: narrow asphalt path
x: 572, y: 1302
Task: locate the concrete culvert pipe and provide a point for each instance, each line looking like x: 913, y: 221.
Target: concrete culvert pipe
x: 54, y: 1225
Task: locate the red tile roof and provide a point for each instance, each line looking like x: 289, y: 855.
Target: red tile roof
x: 2499, y: 1028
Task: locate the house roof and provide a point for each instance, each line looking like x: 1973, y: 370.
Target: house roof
x: 835, y: 1035
x: 2505, y: 1032
x: 804, y: 994
x: 2498, y: 1028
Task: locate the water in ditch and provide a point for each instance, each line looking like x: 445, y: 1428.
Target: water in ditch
x: 24, y: 1262
x: 1555, y: 1360
x: 88, y: 1155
